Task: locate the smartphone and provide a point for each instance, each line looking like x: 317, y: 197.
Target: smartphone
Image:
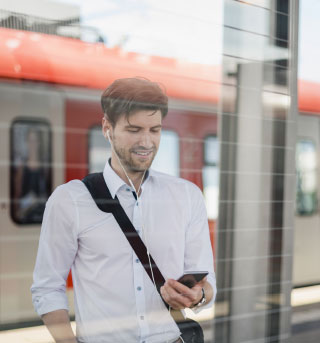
x: 191, y: 278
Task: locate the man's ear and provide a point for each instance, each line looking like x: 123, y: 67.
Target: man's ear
x: 105, y: 126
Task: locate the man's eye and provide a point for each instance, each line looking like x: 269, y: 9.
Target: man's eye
x: 133, y: 130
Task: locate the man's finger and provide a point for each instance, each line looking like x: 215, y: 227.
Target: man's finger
x: 173, y: 293
x: 173, y: 298
x: 178, y: 287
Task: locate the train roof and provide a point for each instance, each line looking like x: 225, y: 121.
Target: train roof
x: 40, y: 57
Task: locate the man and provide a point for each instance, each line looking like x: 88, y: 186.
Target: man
x: 115, y: 300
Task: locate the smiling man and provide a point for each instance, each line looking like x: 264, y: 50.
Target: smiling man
x: 115, y: 300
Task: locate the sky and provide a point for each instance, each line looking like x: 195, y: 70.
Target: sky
x: 176, y: 28
x: 309, y: 40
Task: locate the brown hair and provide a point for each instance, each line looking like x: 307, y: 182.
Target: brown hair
x: 127, y: 96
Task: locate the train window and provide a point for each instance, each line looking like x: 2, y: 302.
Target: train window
x: 99, y: 150
x: 167, y: 159
x: 306, y: 172
x: 210, y: 175
x: 30, y: 183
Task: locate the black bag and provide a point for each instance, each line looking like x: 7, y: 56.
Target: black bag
x: 191, y: 331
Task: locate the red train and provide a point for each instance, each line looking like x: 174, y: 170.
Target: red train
x: 50, y: 91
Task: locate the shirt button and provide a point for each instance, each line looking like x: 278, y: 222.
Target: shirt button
x: 128, y: 189
x: 142, y: 317
x: 137, y: 204
x: 137, y: 260
x: 139, y: 288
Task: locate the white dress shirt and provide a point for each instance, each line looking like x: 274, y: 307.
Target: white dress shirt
x: 115, y: 300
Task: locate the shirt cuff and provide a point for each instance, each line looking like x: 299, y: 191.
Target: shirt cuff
x: 50, y: 302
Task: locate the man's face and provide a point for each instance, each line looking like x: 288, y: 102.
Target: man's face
x: 136, y: 139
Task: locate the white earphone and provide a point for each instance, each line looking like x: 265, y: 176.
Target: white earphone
x: 108, y: 136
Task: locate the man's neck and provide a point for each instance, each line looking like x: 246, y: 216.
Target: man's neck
x: 135, y: 177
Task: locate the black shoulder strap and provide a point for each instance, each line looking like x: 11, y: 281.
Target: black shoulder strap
x: 102, y: 197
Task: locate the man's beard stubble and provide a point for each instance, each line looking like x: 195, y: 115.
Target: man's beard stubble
x: 128, y: 161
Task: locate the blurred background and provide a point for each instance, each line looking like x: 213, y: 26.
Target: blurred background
x: 243, y: 80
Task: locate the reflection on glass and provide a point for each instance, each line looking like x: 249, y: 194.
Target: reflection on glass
x: 250, y: 18
x: 251, y: 46
x: 167, y: 159
x: 31, y: 175
x: 306, y: 164
x: 275, y: 75
x: 210, y: 175
x: 99, y: 150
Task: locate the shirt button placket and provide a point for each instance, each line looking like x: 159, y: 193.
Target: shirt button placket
x: 138, y: 271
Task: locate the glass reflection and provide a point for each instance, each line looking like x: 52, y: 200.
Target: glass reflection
x: 248, y: 18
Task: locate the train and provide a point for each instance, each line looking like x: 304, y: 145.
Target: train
x: 50, y: 112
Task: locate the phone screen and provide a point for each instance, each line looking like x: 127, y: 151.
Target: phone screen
x: 191, y: 278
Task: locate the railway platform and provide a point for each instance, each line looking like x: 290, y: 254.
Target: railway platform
x: 306, y: 324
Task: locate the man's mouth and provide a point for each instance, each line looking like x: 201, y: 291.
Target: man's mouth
x: 143, y: 153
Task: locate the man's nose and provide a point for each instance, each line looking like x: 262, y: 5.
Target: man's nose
x: 145, y: 140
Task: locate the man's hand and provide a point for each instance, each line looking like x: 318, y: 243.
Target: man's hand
x: 179, y: 296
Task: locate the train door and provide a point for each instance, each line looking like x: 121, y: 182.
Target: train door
x: 306, y: 269
x: 32, y: 158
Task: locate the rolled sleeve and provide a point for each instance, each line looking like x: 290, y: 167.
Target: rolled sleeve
x: 198, y: 252
x: 56, y: 253
x: 48, y: 302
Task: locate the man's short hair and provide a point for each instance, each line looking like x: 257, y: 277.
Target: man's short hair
x: 129, y: 95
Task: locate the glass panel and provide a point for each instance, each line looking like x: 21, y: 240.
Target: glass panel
x: 306, y: 166
x: 167, y: 159
x: 253, y: 180
x: 249, y: 18
x: 252, y: 46
x: 281, y: 30
x: 31, y: 172
x: 274, y: 105
x: 99, y: 150
x: 274, y: 74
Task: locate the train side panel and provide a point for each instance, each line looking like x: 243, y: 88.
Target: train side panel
x: 19, y: 242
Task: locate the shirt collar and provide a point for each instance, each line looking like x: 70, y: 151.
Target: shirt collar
x: 114, y: 181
